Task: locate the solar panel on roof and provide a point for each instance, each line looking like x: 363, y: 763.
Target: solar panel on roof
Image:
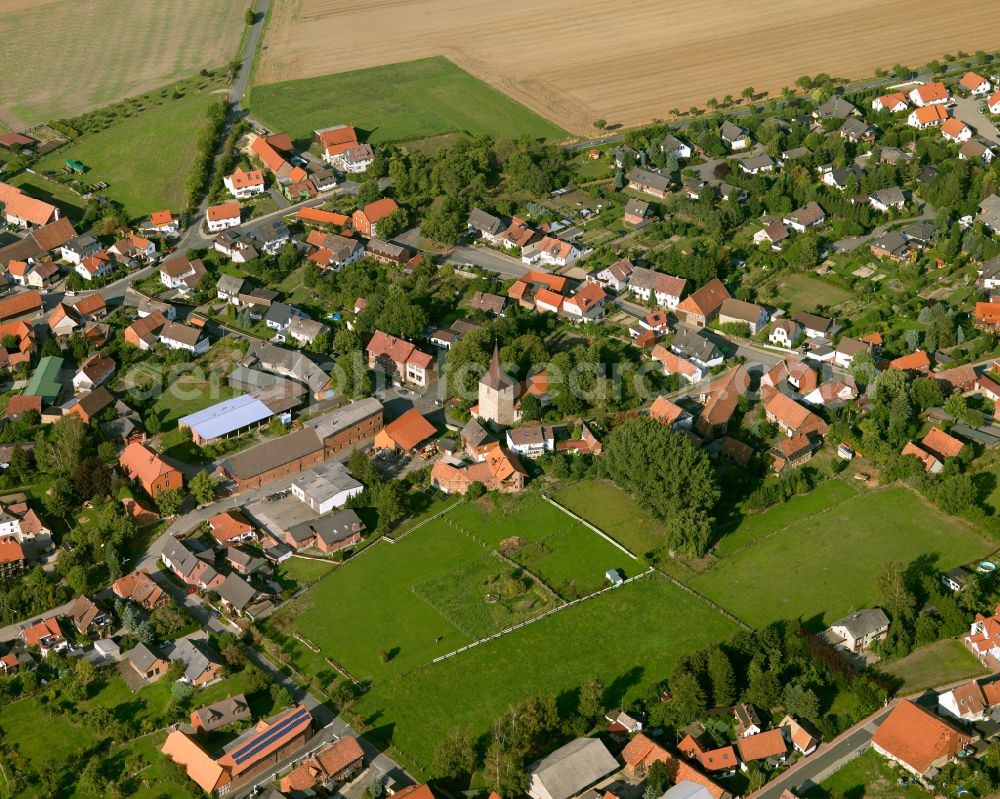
x: 268, y: 737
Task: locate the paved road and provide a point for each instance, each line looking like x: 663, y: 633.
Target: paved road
x: 485, y: 258
x: 827, y: 758
x: 10, y: 632
x: 969, y: 111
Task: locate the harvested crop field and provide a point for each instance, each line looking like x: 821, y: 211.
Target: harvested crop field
x: 626, y: 61
x: 63, y: 57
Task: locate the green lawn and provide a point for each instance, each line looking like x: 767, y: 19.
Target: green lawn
x: 870, y: 776
x: 397, y: 102
x: 822, y: 567
x: 494, y: 519
x: 940, y: 663
x: 304, y: 571
x: 144, y: 159
x: 187, y: 394
x: 805, y: 293
x: 573, y: 561
x: 612, y: 510
x: 628, y: 638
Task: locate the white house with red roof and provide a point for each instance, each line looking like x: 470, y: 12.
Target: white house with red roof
x: 974, y: 84
x: 893, y: 103
x: 46, y: 635
x: 365, y: 220
x: 930, y: 94
x: 242, y: 184
x: 983, y: 639
x: 993, y: 103
x: 587, y: 305
x: 551, y: 251
x: 927, y: 117
x: 676, y: 365
x: 220, y: 217
x: 955, y: 130
x: 95, y: 266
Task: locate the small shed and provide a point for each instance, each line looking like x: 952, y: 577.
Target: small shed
x: 614, y: 577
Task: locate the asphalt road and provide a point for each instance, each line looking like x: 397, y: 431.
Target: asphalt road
x: 969, y: 111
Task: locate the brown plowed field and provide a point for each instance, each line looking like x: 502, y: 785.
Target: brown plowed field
x: 626, y: 61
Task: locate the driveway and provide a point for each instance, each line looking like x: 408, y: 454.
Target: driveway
x: 967, y: 109
x: 849, y: 244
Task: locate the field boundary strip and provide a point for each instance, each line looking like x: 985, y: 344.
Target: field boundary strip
x: 584, y: 522
x: 417, y: 526
x: 541, y: 616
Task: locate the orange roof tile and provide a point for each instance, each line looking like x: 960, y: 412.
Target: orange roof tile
x: 230, y: 210
x: 762, y: 745
x: 408, y: 430
x: 915, y: 362
x: 942, y: 444
x: 918, y: 738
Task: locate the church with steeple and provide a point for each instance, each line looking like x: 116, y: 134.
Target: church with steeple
x: 496, y: 393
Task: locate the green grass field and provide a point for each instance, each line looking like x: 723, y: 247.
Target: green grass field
x: 144, y: 159
x: 869, y: 776
x: 805, y: 293
x: 573, y: 561
x: 612, y: 510
x: 940, y: 663
x: 458, y: 596
x: 650, y: 623
x: 397, y: 102
x: 823, y: 566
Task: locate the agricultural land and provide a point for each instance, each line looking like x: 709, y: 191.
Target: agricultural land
x: 627, y: 62
x: 105, y: 50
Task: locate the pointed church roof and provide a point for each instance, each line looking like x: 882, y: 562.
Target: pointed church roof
x: 495, y: 377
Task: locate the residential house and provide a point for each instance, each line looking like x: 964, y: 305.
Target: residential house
x: 916, y: 362
x: 139, y: 587
x: 88, y: 619
x: 615, y: 276
x: 201, y: 665
x: 893, y: 103
x: 231, y: 710
x: 969, y: 702
x: 721, y: 762
x: 12, y: 558
x: 720, y: 400
x: 146, y: 663
x: 164, y: 223
x: 666, y: 412
x: 857, y: 131
x: 942, y: 445
x: 587, y: 305
x: 930, y: 463
x: 79, y: 247
x: 335, y: 251
x: 636, y: 212
x: 808, y: 216
x: 95, y: 267
x: 847, y: 348
x: 792, y: 418
x: 993, y: 103
x: 928, y: 94
x: 886, y: 199
x: 703, y: 305
x: 244, y: 184
x: 231, y: 527
x: 228, y: 288
x: 181, y: 273
x: 329, y: 533
x: 365, y: 220
x: 645, y: 283
x: 757, y: 164
x: 399, y: 359
x: 236, y: 595
x: 331, y: 765
x: 917, y: 739
x: 856, y: 633
x: 532, y: 441
x: 801, y: 739
x: 784, y: 333
x: 92, y: 404
x: 747, y: 720
x: 220, y: 217
x: 642, y: 751
x: 551, y: 251
x: 488, y: 227
x: 95, y: 371
x: 676, y: 365
x: 570, y: 769
x: 893, y: 245
x: 179, y: 336
x: 840, y: 177
x: 650, y: 182
x: 305, y: 331
x: 974, y: 84
x: 671, y: 144
x: 976, y: 150
x: 769, y: 745
x: 774, y: 234
x: 488, y: 303
x: 835, y: 108
x: 144, y: 332
x: 388, y: 252
x: 800, y: 377
x: 697, y: 347
x: 927, y: 117
x: 45, y: 634
x: 989, y: 213
x: 149, y: 469
x: 63, y: 320
x: 738, y: 312
x: 735, y: 137
x: 955, y: 130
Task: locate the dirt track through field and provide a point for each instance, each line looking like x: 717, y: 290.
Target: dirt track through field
x: 627, y: 61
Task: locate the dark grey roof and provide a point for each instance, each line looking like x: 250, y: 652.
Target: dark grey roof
x: 330, y: 529
x: 279, y: 313
x: 863, y: 622
x: 195, y: 655
x: 671, y: 143
x: 731, y: 132
x: 270, y: 231
x: 893, y: 242
x: 229, y: 284
x: 920, y: 231
x: 272, y: 454
x: 142, y: 657
x: 756, y: 162
x: 486, y: 223
x: 645, y: 177
x: 835, y: 108
x: 691, y: 344
x: 842, y: 174
x: 636, y: 207
x: 236, y: 591
x: 893, y: 195
x: 474, y: 433
x: 223, y: 712
x: 855, y: 128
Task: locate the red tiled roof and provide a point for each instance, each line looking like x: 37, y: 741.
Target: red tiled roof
x: 706, y: 299
x: 918, y: 738
x: 915, y: 361
x: 379, y: 209
x: 762, y: 745
x: 230, y: 210
x: 20, y: 304
x: 324, y: 217
x: 21, y: 205
x: 408, y: 430
x: 942, y: 444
